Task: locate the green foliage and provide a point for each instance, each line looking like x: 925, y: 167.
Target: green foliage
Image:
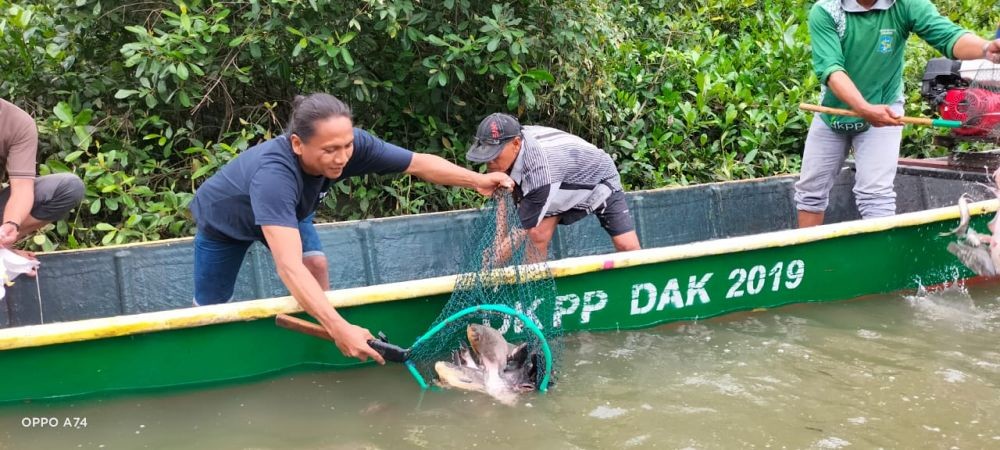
x: 146, y: 99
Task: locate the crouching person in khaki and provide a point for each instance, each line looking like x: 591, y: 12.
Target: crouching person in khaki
x: 28, y: 202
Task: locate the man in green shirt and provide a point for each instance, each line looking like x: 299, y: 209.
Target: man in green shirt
x: 858, y: 48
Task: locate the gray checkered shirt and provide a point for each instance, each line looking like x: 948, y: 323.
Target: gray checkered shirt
x: 578, y: 174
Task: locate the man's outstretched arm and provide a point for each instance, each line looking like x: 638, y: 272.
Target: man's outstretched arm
x: 438, y: 170
x: 970, y: 46
x: 286, y: 247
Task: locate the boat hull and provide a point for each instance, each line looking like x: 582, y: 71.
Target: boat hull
x: 596, y: 293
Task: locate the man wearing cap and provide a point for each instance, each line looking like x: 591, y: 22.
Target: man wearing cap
x: 558, y: 178
x: 857, y: 51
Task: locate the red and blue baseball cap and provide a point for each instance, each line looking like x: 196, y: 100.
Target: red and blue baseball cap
x: 493, y: 133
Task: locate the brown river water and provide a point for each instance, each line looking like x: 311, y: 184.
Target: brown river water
x: 892, y: 371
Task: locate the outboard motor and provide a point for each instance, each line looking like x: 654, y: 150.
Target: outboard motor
x: 966, y: 91
x: 940, y: 76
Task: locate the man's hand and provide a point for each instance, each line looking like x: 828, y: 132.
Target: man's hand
x: 876, y: 115
x: 880, y: 116
x: 352, y: 341
x: 8, y: 235
x: 488, y: 183
x: 30, y: 256
x: 991, y: 51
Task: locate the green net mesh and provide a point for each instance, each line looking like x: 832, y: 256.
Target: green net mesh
x: 500, y: 267
x: 980, y: 108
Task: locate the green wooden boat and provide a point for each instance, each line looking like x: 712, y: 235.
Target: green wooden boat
x: 117, y: 319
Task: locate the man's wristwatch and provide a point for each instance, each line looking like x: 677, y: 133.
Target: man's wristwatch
x: 17, y: 226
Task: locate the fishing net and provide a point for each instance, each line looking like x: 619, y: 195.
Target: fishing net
x: 978, y: 105
x: 504, y: 283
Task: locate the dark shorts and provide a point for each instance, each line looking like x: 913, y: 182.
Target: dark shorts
x: 55, y: 196
x: 217, y: 262
x: 613, y: 215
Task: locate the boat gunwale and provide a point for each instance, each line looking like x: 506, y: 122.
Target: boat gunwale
x: 123, y: 325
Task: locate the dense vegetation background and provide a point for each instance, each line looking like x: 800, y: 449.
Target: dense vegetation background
x: 146, y: 99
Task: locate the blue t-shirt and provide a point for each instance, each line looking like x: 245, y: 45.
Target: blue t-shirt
x: 265, y: 185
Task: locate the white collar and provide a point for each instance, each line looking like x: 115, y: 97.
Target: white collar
x: 854, y: 7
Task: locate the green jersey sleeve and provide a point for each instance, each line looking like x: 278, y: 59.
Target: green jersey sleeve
x: 827, y: 50
x: 934, y: 28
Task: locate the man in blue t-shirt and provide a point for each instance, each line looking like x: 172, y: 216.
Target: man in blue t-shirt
x: 270, y: 192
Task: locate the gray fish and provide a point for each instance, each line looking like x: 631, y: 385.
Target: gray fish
x: 976, y: 251
x: 491, y: 347
x: 452, y: 375
x: 489, y: 365
x: 976, y: 257
x: 962, y: 230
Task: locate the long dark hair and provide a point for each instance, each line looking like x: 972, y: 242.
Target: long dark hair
x: 309, y: 109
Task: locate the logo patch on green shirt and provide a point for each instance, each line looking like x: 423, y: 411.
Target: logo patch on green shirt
x: 886, y: 40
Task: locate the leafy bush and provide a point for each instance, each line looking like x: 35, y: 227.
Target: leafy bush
x: 145, y: 100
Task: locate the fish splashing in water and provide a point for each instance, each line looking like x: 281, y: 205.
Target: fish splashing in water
x: 979, y: 252
x: 490, y: 365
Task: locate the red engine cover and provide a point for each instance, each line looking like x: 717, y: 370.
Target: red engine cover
x: 977, y: 109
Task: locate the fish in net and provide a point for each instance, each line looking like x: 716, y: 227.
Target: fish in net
x: 506, y: 286
x: 498, y: 333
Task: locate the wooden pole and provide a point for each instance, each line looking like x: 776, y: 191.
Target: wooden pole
x: 302, y: 326
x: 905, y: 119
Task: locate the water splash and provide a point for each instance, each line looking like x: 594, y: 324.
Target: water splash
x: 868, y: 334
x: 832, y: 442
x: 637, y: 441
x: 952, y: 306
x: 607, y: 412
x: 952, y: 375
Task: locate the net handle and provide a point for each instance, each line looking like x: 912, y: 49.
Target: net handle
x: 543, y: 386
x: 942, y: 123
